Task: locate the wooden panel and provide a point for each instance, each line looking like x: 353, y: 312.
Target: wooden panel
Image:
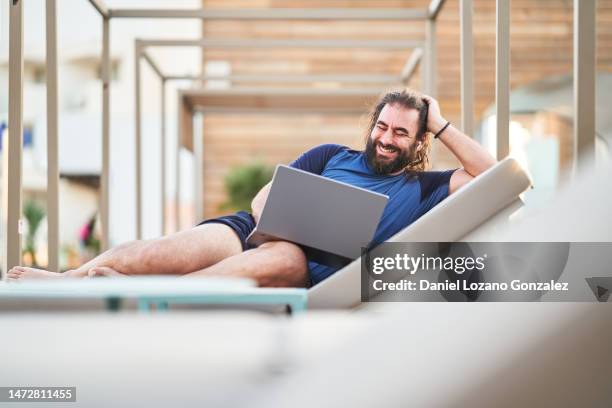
x: 541, y: 47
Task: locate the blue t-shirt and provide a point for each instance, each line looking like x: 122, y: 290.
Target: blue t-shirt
x: 409, y: 196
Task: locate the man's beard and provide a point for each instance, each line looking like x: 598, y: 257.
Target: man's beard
x: 403, y: 159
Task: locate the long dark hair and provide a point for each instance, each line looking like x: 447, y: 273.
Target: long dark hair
x: 407, y: 99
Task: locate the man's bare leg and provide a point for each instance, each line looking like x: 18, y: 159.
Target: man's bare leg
x: 273, y: 264
x: 176, y: 254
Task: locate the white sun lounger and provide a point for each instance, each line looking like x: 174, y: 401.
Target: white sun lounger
x: 485, y: 197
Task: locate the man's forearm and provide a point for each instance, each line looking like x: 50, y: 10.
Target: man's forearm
x: 474, y: 158
x: 258, y: 203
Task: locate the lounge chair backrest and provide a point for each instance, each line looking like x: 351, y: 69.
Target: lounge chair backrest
x: 459, y: 214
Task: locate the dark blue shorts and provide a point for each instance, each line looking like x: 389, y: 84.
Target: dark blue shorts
x: 242, y: 223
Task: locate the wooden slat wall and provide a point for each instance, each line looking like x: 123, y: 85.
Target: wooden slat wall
x: 234, y: 140
x: 541, y: 46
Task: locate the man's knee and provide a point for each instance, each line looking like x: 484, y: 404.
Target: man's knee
x: 290, y: 264
x: 124, y: 254
x: 153, y: 253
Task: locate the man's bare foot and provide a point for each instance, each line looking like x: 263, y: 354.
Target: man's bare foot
x: 19, y: 273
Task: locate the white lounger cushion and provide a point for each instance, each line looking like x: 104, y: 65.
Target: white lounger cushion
x: 462, y: 212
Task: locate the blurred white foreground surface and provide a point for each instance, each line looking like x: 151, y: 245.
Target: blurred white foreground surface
x: 416, y: 354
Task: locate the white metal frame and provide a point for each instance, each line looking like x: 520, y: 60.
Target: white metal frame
x: 141, y: 46
x: 12, y: 197
x: 584, y: 84
x: 467, y: 67
x: 277, y: 14
x: 105, y: 179
x: 13, y: 205
x: 52, y: 139
x: 289, y: 43
x: 585, y: 64
x: 141, y: 54
x: 502, y: 78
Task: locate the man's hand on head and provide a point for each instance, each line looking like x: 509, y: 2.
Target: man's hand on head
x: 435, y: 120
x: 473, y: 157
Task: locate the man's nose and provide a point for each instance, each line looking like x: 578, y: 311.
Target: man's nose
x: 387, y: 137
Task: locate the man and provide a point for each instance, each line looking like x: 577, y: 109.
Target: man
x: 393, y: 163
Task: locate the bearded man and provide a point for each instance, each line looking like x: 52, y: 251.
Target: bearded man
x: 393, y: 163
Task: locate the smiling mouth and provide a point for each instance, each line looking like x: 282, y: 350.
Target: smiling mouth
x: 385, y: 150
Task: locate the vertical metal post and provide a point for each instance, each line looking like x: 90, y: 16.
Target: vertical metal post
x: 467, y: 68
x: 502, y: 78
x: 429, y: 67
x: 422, y: 75
x: 105, y: 179
x: 184, y: 134
x: 198, y: 165
x: 203, y: 52
x: 15, y: 146
x: 430, y: 57
x: 137, y: 139
x: 177, y: 172
x: 3, y: 202
x: 52, y: 142
x: 163, y: 157
x: 584, y: 81
x: 198, y: 144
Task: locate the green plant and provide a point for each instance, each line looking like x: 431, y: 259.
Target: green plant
x: 243, y: 183
x: 34, y: 214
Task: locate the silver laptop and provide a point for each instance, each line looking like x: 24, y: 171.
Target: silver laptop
x: 329, y: 219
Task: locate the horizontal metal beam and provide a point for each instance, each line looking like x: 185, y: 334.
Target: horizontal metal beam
x: 299, y: 43
x: 276, y: 14
x: 272, y: 92
x: 181, y: 77
x: 342, y: 78
x: 101, y: 7
x: 411, y: 64
x: 339, y: 77
x: 278, y: 110
x: 434, y: 8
